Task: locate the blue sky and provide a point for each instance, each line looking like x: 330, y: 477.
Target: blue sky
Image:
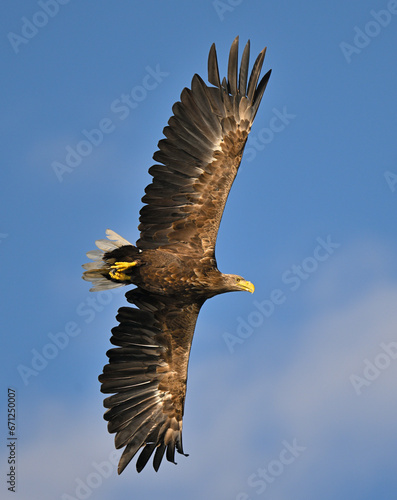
x: 291, y: 390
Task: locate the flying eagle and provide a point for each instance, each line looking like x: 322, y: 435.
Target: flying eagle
x: 173, y: 265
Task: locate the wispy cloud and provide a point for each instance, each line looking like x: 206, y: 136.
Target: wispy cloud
x: 239, y: 412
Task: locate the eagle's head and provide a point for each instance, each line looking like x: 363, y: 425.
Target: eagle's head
x: 235, y: 283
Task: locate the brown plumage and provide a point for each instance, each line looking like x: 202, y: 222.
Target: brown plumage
x: 173, y: 263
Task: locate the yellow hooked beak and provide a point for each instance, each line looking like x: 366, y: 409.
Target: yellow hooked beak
x: 247, y: 286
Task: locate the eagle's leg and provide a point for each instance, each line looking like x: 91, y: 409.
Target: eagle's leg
x: 115, y: 263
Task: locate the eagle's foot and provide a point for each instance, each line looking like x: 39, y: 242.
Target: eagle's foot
x: 123, y: 266
x: 117, y: 270
x: 119, y: 276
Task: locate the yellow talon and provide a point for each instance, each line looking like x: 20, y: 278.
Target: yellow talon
x: 123, y: 266
x: 119, y: 276
x: 118, y: 268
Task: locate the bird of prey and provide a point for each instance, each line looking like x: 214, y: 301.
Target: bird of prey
x: 173, y: 265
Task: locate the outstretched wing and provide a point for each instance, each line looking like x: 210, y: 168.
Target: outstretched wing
x: 200, y: 156
x: 147, y: 373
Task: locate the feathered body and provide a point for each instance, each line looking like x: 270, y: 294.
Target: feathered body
x: 173, y: 265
